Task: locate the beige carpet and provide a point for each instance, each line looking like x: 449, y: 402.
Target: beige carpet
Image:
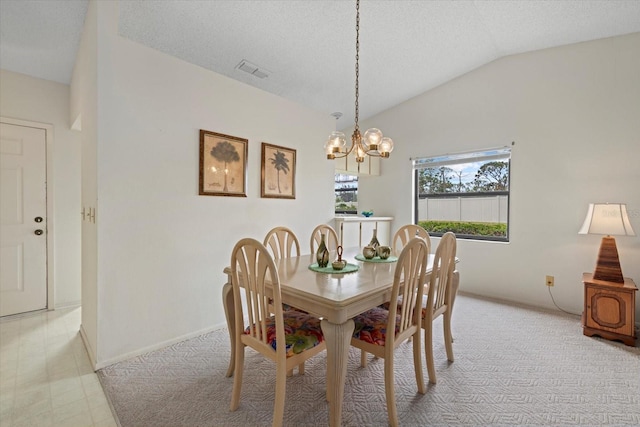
x: 514, y: 366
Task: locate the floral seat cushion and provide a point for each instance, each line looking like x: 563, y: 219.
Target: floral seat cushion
x: 302, y: 332
x: 371, y: 326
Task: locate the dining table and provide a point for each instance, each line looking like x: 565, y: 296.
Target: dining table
x: 336, y: 297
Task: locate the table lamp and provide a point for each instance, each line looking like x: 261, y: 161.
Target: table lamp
x: 609, y: 219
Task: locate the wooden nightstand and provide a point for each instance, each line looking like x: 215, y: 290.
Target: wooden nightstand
x: 609, y: 309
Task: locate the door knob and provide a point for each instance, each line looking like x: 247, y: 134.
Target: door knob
x: 38, y: 232
x: 38, y: 219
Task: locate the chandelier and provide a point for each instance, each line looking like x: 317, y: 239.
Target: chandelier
x: 373, y: 143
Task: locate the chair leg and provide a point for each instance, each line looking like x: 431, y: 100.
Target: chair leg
x: 300, y: 370
x: 281, y: 383
x: 428, y: 349
x: 237, y: 379
x: 363, y: 358
x: 417, y: 363
x: 448, y: 339
x: 227, y: 298
x: 389, y: 390
x: 455, y: 285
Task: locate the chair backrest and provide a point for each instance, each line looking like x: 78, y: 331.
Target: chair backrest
x: 408, y: 281
x: 282, y: 242
x: 251, y: 267
x: 406, y: 233
x: 441, y: 276
x: 331, y: 238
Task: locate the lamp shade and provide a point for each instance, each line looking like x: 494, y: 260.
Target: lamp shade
x: 607, y: 218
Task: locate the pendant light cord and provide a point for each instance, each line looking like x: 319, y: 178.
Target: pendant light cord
x: 357, y: 57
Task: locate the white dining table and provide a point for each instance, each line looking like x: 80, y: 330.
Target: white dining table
x: 336, y: 298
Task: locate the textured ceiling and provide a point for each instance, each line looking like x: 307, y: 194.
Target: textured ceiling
x: 407, y: 47
x: 41, y: 38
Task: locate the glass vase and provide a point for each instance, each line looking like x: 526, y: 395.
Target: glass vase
x: 374, y: 240
x: 322, y: 254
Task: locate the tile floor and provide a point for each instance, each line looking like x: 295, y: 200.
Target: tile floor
x: 45, y: 375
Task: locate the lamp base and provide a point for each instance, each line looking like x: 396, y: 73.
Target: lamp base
x: 608, y: 264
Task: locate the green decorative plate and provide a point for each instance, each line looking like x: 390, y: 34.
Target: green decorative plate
x: 391, y: 258
x: 349, y: 268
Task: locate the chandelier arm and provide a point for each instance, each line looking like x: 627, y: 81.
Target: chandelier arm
x: 340, y: 155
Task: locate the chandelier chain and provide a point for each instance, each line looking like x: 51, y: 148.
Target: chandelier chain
x: 372, y: 143
x: 357, y: 58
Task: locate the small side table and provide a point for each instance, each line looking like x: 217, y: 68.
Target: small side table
x: 609, y: 309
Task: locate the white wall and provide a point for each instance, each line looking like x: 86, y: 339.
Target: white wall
x: 83, y: 112
x: 574, y: 114
x: 161, y: 248
x: 36, y: 100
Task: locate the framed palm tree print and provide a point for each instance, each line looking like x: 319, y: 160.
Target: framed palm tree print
x: 278, y: 172
x: 223, y: 165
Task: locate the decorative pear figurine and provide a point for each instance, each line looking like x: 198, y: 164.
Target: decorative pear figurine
x: 384, y: 252
x: 374, y: 240
x: 322, y: 254
x: 339, y: 264
x: 369, y: 252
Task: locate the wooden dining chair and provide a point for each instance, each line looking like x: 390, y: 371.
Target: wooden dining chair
x: 439, y: 299
x: 331, y: 238
x: 406, y: 233
x: 379, y: 331
x: 287, y: 338
x: 282, y: 242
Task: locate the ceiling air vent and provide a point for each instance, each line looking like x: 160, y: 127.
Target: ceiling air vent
x: 252, y: 69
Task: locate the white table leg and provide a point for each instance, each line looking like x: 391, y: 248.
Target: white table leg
x: 229, y: 312
x: 338, y: 339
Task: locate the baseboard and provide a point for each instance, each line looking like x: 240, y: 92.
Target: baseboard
x: 552, y: 309
x: 87, y: 346
x: 70, y: 304
x: 158, y: 346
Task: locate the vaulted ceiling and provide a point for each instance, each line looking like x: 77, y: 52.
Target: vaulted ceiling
x: 307, y: 48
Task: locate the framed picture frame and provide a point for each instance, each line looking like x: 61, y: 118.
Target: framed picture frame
x: 223, y: 165
x: 278, y: 172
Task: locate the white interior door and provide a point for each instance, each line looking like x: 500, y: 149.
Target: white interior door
x: 23, y: 211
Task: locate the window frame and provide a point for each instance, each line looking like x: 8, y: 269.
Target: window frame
x: 482, y: 155
x: 337, y: 190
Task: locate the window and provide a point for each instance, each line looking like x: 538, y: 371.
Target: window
x: 467, y: 193
x: 346, y: 189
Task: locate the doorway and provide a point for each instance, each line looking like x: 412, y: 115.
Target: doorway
x: 25, y: 232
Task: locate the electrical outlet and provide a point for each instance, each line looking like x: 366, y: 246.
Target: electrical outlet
x: 550, y: 281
